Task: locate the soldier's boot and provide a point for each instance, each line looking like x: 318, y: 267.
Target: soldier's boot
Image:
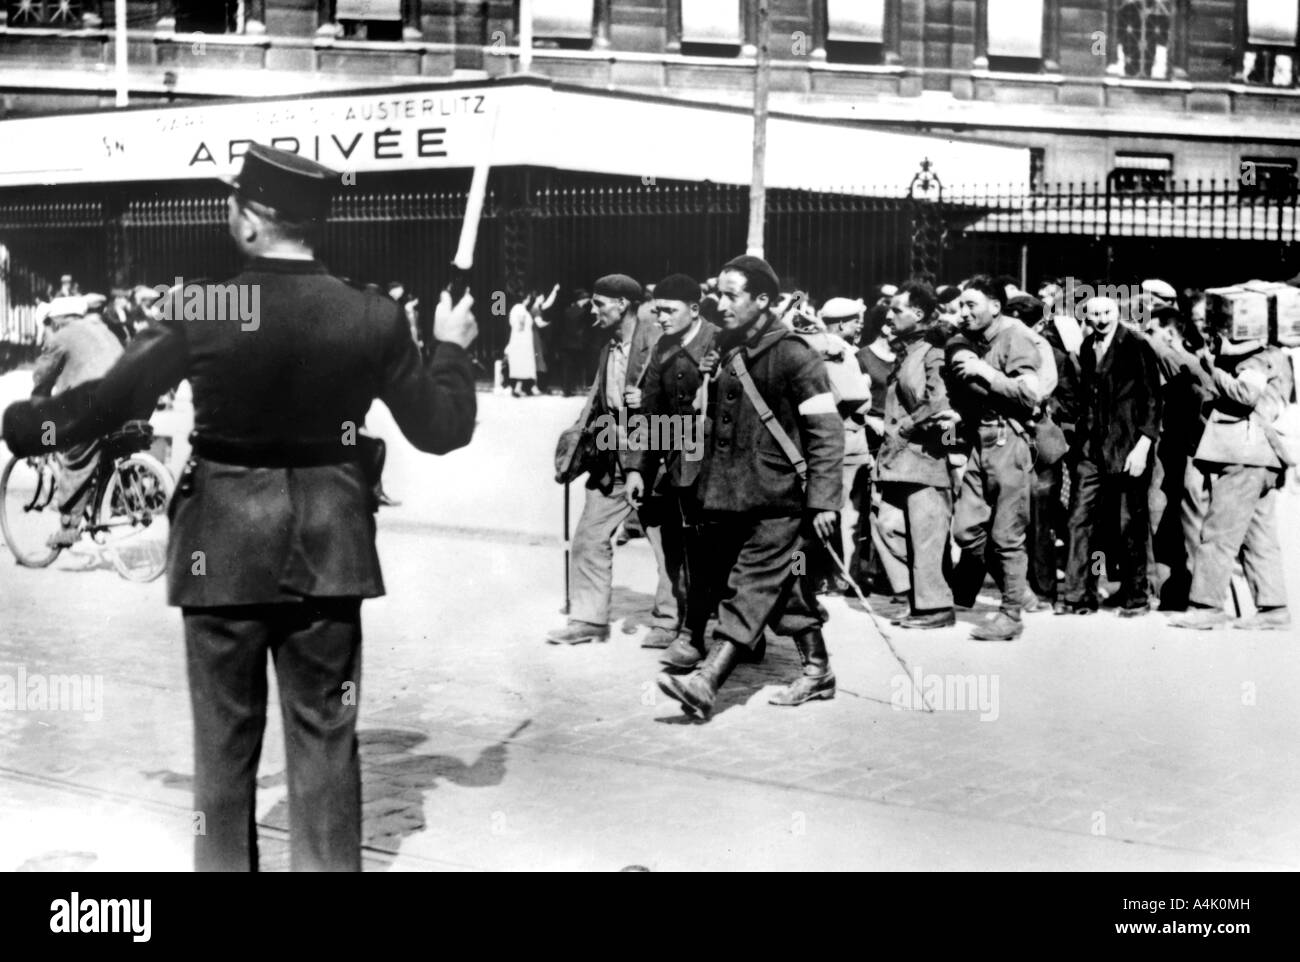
x: 817, y: 680
x: 697, y: 691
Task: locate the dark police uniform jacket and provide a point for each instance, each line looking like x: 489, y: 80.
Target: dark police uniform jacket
x: 671, y: 385
x: 744, y: 468
x: 304, y: 373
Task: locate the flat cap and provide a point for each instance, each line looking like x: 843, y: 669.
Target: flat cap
x: 296, y: 186
x: 755, y: 265
x: 618, y: 285
x: 67, y: 306
x: 1161, y: 289
x: 678, y: 287
x: 839, y: 309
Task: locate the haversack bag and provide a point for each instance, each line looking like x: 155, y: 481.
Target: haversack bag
x: 576, y: 452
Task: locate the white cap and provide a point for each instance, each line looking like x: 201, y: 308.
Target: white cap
x: 1161, y: 289
x: 839, y: 309
x: 64, y: 306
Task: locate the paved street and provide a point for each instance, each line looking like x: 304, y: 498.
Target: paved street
x: 1091, y: 743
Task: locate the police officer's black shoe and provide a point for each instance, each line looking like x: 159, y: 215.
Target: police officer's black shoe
x: 817, y: 680
x: 697, y: 691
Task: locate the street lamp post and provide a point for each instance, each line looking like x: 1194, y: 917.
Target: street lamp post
x: 758, y: 182
x: 119, y: 53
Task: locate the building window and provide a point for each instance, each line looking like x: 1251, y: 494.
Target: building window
x: 855, y: 31
x: 1143, y: 32
x: 44, y: 13
x: 369, y: 19
x: 207, y: 16
x: 711, y: 28
x: 1142, y: 173
x: 1269, y: 176
x: 1269, y: 56
x: 564, y: 23
x: 1015, y: 35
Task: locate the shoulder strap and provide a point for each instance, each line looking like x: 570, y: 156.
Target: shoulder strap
x: 765, y: 415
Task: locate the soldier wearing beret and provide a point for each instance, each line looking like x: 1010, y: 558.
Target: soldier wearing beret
x: 272, y: 542
x: 624, y: 363
x: 670, y: 394
x: 767, y: 497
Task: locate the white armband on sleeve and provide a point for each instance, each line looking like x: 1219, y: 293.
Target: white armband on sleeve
x: 818, y: 404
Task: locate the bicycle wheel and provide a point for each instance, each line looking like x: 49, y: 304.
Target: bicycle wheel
x: 131, y: 517
x: 29, y: 510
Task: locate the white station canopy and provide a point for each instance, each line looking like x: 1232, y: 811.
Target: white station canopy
x: 517, y: 121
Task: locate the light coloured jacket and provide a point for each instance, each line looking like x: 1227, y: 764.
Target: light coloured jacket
x: 1248, y: 390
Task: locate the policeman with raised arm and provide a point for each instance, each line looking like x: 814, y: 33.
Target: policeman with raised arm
x: 273, y: 536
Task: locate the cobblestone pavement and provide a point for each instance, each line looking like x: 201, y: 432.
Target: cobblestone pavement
x: 1090, y: 743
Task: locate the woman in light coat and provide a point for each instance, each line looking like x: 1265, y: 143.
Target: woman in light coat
x: 523, y: 348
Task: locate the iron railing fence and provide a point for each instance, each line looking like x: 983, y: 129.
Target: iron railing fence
x: 550, y: 227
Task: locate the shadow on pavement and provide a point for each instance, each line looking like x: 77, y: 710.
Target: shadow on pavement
x: 635, y: 608
x: 395, y: 778
x: 780, y: 666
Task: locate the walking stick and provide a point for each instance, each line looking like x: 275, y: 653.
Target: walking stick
x: 566, y: 549
x: 872, y: 615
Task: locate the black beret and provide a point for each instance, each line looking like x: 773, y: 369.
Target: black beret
x: 618, y: 285
x: 947, y: 294
x: 296, y: 186
x: 678, y: 287
x: 1024, y: 307
x: 755, y: 265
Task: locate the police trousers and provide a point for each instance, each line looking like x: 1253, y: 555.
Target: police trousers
x: 992, y: 515
x: 315, y: 646
x: 762, y: 576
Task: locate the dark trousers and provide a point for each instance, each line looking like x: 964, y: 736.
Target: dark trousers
x: 862, y: 560
x: 1044, y: 510
x: 78, y: 464
x: 762, y: 569
x: 991, y: 515
x: 316, y: 648
x: 1097, y: 500
x: 677, y: 515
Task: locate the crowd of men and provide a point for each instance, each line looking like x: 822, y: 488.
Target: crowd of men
x: 946, y: 425
x: 971, y: 431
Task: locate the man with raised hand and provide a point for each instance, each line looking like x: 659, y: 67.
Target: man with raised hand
x: 272, y: 545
